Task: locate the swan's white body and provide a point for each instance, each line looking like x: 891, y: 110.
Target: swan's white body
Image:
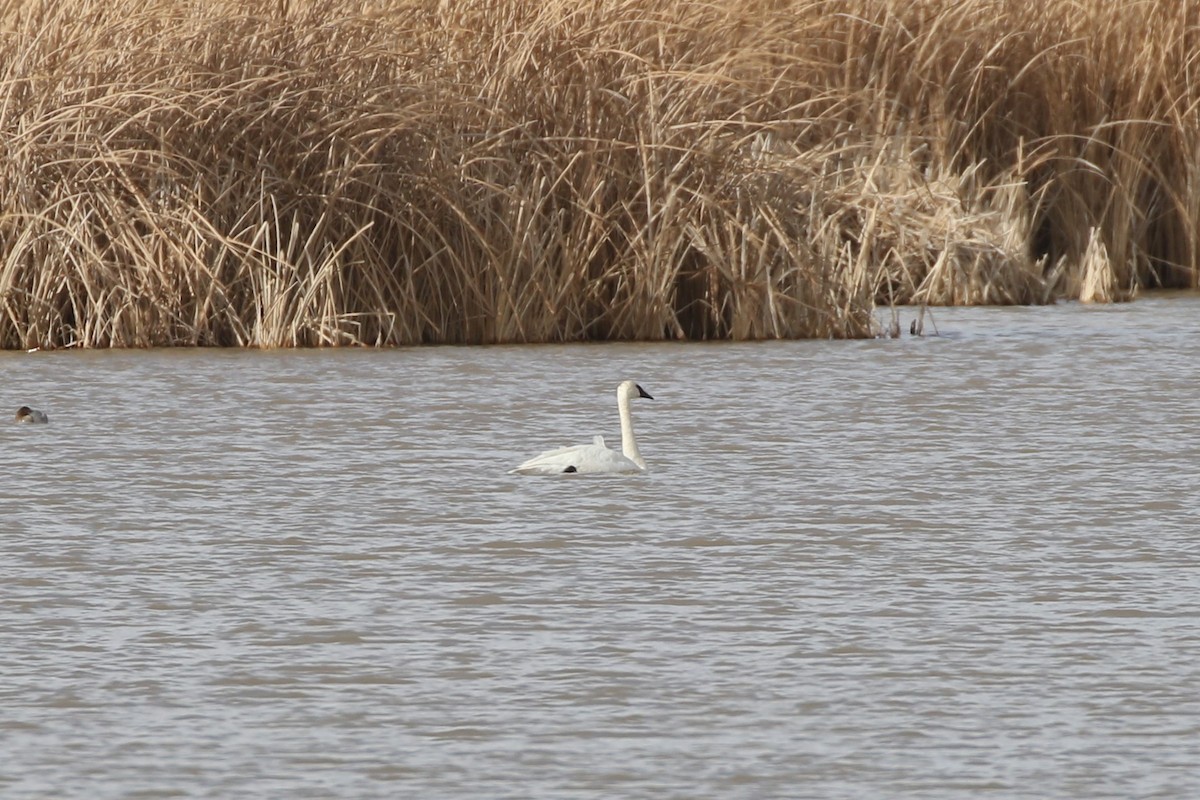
x: 32, y: 415
x: 595, y: 457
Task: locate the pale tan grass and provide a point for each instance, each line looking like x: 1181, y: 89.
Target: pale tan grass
x: 316, y: 172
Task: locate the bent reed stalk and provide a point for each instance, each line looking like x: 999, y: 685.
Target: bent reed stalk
x: 314, y: 172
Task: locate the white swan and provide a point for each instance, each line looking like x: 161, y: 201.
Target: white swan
x: 27, y: 414
x: 594, y: 457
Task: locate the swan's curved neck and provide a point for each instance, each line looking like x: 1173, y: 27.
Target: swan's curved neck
x: 628, y: 444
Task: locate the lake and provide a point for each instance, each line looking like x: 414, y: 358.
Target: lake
x: 964, y: 565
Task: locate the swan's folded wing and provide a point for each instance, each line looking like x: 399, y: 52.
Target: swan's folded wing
x: 582, y: 458
x: 551, y: 462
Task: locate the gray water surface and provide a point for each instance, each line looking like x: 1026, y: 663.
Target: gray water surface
x: 963, y: 566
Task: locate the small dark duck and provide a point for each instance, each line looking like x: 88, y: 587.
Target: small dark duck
x: 32, y: 415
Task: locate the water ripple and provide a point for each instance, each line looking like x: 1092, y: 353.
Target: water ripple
x: 929, y: 568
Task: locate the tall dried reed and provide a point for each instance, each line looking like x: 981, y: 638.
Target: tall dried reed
x: 323, y: 172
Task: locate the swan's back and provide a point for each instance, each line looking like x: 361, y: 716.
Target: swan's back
x: 581, y: 458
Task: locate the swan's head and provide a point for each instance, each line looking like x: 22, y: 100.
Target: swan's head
x: 629, y: 389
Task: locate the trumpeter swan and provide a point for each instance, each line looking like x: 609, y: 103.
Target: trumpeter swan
x: 594, y: 457
x: 27, y: 414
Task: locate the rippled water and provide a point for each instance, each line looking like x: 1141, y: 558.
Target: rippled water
x: 949, y: 567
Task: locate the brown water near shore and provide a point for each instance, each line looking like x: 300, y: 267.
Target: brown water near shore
x: 962, y: 565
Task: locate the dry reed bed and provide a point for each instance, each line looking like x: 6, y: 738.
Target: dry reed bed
x: 310, y: 173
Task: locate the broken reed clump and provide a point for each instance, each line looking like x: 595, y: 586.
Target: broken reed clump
x: 312, y: 172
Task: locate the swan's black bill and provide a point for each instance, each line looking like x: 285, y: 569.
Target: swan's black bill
x: 643, y: 393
